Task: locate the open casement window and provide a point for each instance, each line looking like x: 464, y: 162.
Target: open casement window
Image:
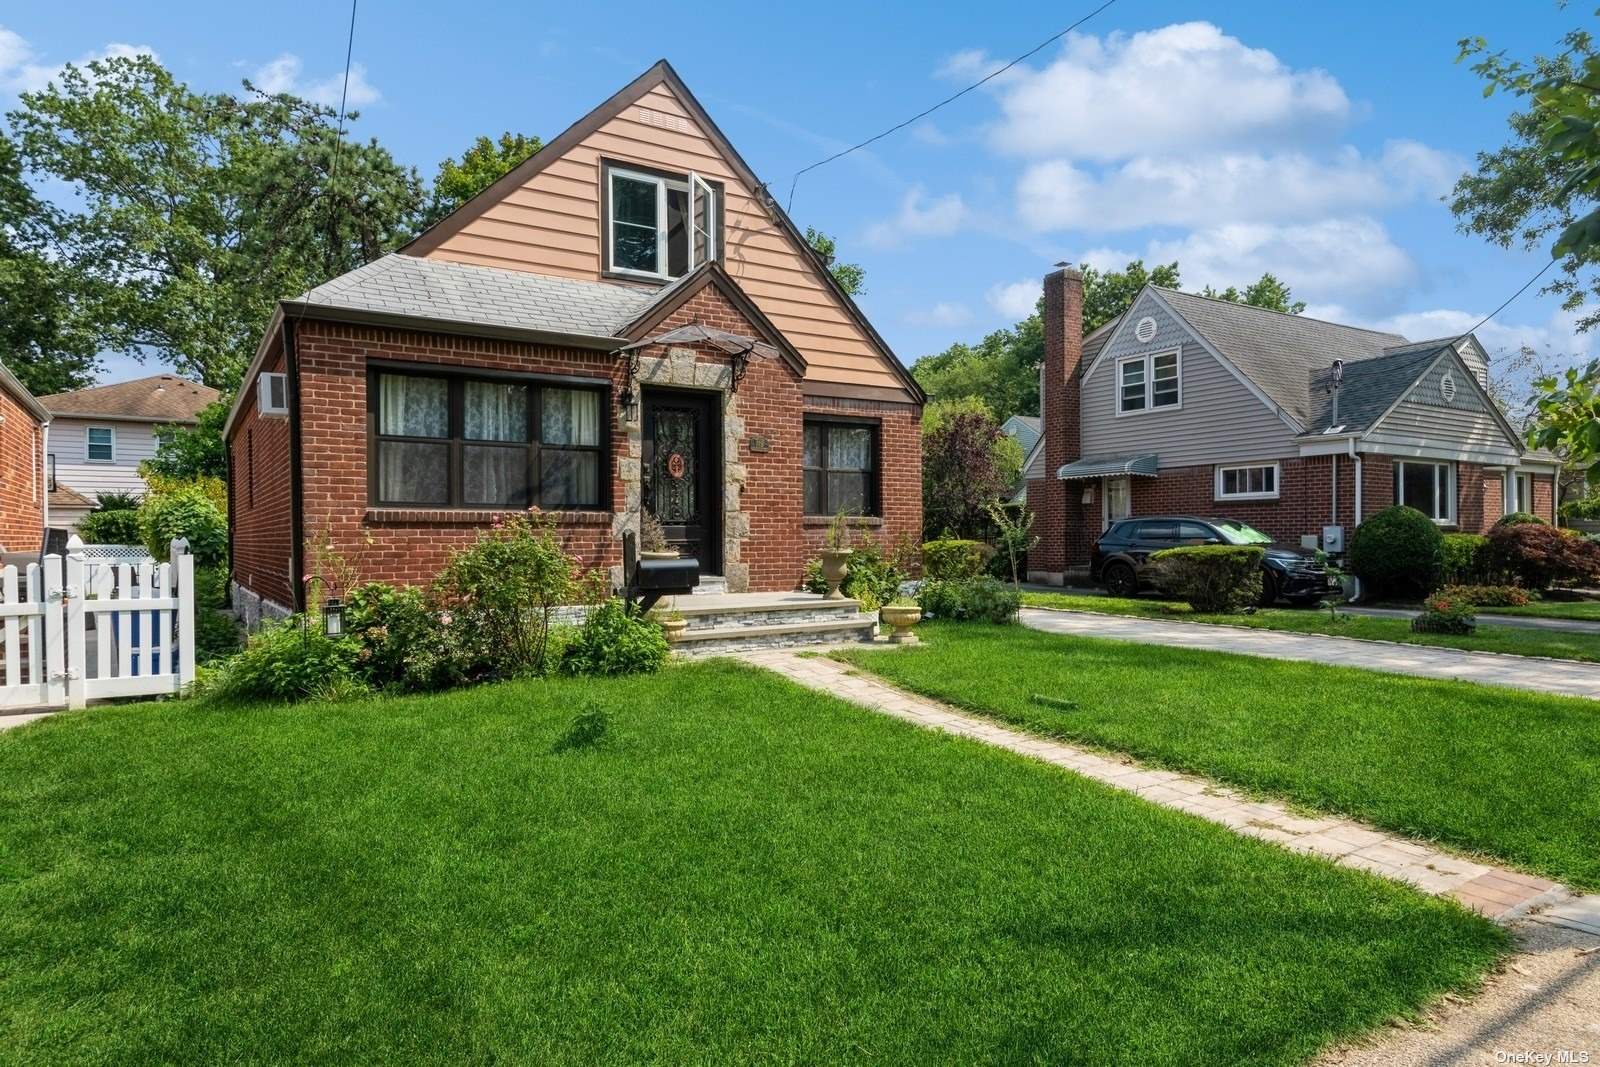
x: 1148, y: 382
x: 1428, y: 487
x: 1255, y: 482
x: 659, y: 226
x: 485, y: 443
x: 841, y: 466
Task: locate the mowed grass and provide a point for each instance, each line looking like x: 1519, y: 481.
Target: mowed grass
x: 1487, y: 638
x: 741, y: 871
x: 1505, y: 773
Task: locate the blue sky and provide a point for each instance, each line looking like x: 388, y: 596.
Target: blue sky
x: 1311, y: 140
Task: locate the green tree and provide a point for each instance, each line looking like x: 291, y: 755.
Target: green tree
x: 193, y: 213
x: 188, y: 452
x: 1542, y: 187
x: 966, y: 463
x: 1267, y: 292
x: 851, y: 277
x: 480, y: 166
x: 1107, y: 294
x: 41, y: 339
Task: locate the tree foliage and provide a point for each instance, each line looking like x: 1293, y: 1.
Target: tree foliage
x: 187, y: 452
x: 966, y: 463
x: 480, y: 166
x: 851, y: 277
x: 193, y: 213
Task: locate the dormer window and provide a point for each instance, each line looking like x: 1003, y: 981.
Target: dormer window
x: 658, y: 225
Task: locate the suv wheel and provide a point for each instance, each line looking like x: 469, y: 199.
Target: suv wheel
x: 1120, y: 580
x: 1269, y: 588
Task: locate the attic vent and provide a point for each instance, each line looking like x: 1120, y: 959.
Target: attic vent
x: 1145, y: 330
x: 1447, y: 387
x: 662, y: 120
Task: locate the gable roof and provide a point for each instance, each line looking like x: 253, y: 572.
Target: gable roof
x: 661, y: 73
x: 19, y: 392
x: 1371, y: 387
x: 157, y: 398
x: 1025, y: 428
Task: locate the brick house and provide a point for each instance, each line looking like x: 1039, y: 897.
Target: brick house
x: 625, y: 321
x: 1190, y: 405
x: 24, y: 429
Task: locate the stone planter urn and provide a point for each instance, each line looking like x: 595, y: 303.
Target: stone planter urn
x: 835, y: 565
x: 902, y: 617
x: 674, y: 629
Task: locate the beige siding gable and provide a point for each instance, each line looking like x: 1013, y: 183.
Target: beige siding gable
x: 551, y: 224
x: 1219, y: 419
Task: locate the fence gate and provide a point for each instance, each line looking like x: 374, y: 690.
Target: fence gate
x: 76, y: 632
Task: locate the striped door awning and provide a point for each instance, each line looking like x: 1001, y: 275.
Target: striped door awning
x: 1109, y: 467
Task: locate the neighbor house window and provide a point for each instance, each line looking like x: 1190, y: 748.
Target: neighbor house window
x: 659, y: 225
x: 1519, y: 492
x: 50, y: 478
x: 841, y: 467
x: 100, y: 444
x: 1255, y: 482
x: 1428, y: 487
x: 1148, y: 382
x: 485, y: 443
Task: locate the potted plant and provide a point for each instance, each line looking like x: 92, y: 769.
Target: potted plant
x: 672, y: 623
x: 653, y: 539
x: 902, y: 613
x: 836, y: 554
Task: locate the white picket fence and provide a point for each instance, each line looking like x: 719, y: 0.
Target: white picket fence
x: 77, y: 631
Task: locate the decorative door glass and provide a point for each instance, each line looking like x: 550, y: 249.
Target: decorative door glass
x: 674, y: 469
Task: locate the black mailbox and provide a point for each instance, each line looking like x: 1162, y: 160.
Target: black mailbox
x: 648, y: 580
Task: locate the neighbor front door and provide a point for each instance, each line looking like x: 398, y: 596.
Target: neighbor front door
x: 682, y: 471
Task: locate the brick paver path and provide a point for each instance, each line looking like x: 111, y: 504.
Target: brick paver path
x: 1489, y: 668
x: 1499, y: 893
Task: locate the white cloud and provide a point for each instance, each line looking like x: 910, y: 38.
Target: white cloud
x: 1185, y: 86
x: 942, y: 314
x: 1015, y: 300
x: 284, y: 75
x: 919, y: 216
x: 1209, y: 189
x: 1348, y: 260
x: 21, y: 71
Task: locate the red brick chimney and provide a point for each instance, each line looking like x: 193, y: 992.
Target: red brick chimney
x: 1059, y: 525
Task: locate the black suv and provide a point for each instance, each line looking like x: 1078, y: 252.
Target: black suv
x: 1121, y: 556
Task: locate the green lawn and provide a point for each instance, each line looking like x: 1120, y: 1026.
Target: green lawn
x: 1506, y: 773
x: 1586, y: 610
x: 1487, y: 638
x: 741, y: 872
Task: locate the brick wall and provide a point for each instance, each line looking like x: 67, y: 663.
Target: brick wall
x: 22, y: 488
x: 258, y: 464
x: 411, y: 545
x: 1544, y: 497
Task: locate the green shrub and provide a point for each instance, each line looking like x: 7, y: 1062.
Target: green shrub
x: 873, y: 578
x: 1520, y: 518
x: 115, y: 527
x: 1584, y: 508
x: 186, y: 511
x: 404, y: 645
x: 982, y: 598
x: 1398, y: 552
x: 1488, y: 596
x: 288, y: 660
x: 1539, y: 556
x: 1466, y: 559
x: 499, y: 594
x: 115, y: 501
x: 613, y: 641
x: 216, y: 635
x: 1213, y: 579
x: 954, y: 560
x: 1442, y: 614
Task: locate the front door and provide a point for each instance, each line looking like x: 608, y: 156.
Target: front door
x: 682, y: 471
x: 1116, y: 501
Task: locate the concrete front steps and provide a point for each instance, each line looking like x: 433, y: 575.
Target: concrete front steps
x: 741, y: 622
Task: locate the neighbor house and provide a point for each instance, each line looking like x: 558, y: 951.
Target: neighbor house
x: 1302, y: 428
x: 100, y: 435
x: 24, y: 429
x: 626, y: 320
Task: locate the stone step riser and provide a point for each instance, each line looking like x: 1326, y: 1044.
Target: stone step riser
x: 734, y: 642
x: 722, y: 620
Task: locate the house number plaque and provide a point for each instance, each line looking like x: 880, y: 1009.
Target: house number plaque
x: 759, y: 443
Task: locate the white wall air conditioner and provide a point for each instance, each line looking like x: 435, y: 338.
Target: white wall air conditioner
x: 272, y: 394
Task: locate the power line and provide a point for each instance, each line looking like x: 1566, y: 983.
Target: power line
x: 1525, y: 287
x: 947, y: 100
x: 344, y: 93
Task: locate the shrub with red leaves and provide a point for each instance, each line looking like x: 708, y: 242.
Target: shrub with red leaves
x: 1542, y: 556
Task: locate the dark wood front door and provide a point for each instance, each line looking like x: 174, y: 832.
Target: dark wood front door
x: 682, y: 471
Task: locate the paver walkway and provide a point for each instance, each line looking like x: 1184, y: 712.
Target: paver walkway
x: 1565, y: 677
x: 1516, y: 622
x: 1497, y: 892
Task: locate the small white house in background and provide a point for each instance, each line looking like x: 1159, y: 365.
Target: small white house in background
x: 100, y: 435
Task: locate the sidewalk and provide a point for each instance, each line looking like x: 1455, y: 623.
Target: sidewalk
x: 1562, y: 677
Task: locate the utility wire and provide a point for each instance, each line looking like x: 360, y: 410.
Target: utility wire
x: 344, y: 93
x: 947, y: 100
x: 1525, y: 287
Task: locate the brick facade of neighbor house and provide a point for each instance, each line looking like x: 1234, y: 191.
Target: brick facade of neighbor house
x: 22, y: 474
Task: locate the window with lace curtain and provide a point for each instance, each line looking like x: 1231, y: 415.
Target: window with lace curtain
x: 487, y: 443
x: 841, y: 462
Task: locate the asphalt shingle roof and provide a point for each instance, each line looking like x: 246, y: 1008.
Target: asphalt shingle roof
x: 1371, y: 386
x: 160, y: 396
x: 485, y: 296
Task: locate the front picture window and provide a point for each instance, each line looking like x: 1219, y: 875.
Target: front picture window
x: 660, y: 226
x: 1428, y: 487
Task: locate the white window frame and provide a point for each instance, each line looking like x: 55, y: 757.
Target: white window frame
x: 88, y: 444
x: 1148, y: 359
x: 1277, y: 481
x: 1449, y: 518
x: 1514, y: 500
x: 692, y: 185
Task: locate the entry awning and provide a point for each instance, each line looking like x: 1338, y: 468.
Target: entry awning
x: 1109, y: 467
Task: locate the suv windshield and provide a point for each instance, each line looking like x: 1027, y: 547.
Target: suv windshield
x: 1239, y: 533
